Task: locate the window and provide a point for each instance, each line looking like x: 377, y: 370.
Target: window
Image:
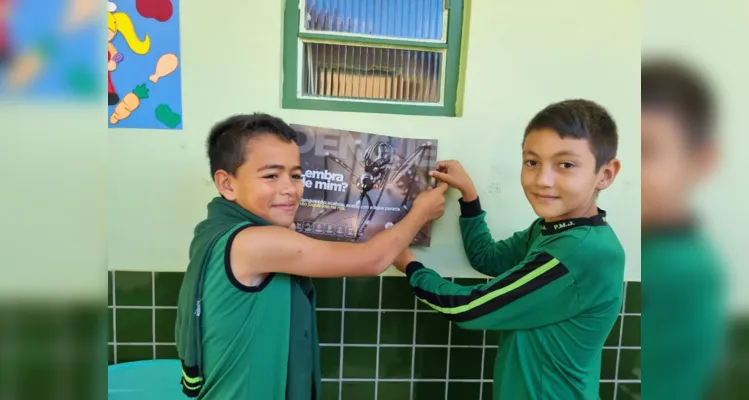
x: 381, y: 56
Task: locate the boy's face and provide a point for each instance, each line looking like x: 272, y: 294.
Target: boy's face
x: 671, y: 168
x: 559, y: 176
x: 269, y: 183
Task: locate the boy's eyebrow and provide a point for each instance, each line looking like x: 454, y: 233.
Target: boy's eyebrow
x: 278, y: 166
x: 270, y: 166
x: 557, y: 154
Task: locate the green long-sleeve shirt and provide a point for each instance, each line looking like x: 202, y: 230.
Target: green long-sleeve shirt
x: 684, y: 313
x: 555, y: 297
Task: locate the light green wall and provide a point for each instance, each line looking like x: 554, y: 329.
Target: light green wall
x: 522, y: 55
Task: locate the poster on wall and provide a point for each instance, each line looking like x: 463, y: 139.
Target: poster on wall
x: 143, y: 64
x: 358, y: 184
x: 48, y: 50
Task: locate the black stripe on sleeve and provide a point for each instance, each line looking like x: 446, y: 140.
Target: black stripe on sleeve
x: 452, y: 301
x: 470, y: 209
x: 412, y: 267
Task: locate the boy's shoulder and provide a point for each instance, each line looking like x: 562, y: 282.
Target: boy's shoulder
x: 583, y: 245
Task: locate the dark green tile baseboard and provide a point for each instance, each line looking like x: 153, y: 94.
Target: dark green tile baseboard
x: 376, y: 341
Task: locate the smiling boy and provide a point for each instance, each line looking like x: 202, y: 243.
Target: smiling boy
x: 246, y: 324
x: 557, y: 285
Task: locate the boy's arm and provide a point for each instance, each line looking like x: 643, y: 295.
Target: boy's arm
x: 484, y: 254
x: 535, y: 293
x: 267, y: 249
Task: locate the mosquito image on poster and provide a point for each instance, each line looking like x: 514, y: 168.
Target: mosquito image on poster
x: 357, y: 184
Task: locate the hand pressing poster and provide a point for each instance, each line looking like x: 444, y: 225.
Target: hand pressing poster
x: 143, y: 64
x: 358, y: 184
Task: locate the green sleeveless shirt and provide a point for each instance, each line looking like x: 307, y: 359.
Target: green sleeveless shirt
x: 257, y: 342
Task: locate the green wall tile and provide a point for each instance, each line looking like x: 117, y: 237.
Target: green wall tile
x: 359, y: 362
x: 632, y: 331
x: 492, y: 338
x: 358, y: 391
x: 463, y: 390
x: 634, y: 298
x: 134, y: 325
x: 628, y: 391
x: 127, y: 353
x: 165, y: 351
x: 363, y: 293
x: 111, y: 354
x: 429, y: 390
x: 166, y: 286
x: 393, y: 390
x: 395, y: 362
x: 109, y: 288
x: 487, y: 391
x: 629, y: 364
x: 606, y: 391
x: 465, y: 337
x: 110, y: 325
x: 165, y: 321
x: 608, y: 364
x: 613, y: 339
x: 430, y: 363
x: 329, y: 390
x: 360, y: 327
x: 397, y: 294
x: 465, y: 363
x: 397, y: 327
x: 330, y: 361
x: 431, y: 328
x: 133, y: 288
x: 328, y: 292
x: 490, y: 355
x: 329, y: 326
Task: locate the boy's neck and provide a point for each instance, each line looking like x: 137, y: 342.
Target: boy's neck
x: 583, y: 212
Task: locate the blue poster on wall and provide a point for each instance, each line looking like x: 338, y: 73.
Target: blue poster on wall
x: 144, y: 64
x: 48, y: 51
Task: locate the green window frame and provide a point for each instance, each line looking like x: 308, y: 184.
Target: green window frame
x: 452, y: 49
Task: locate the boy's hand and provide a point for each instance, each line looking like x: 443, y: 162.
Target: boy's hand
x: 403, y: 259
x: 452, y: 173
x: 430, y: 204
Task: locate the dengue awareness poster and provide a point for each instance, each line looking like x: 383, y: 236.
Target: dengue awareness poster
x: 358, y: 184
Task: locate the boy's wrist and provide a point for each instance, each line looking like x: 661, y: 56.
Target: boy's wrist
x: 469, y: 195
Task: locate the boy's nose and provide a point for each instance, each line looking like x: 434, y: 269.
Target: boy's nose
x: 545, y: 177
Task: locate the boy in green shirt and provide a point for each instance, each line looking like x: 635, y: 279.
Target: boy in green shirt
x: 246, y: 313
x: 557, y: 285
x: 683, y: 304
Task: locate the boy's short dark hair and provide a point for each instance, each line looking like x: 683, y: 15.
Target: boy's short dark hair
x: 580, y: 119
x: 228, y: 138
x: 673, y: 86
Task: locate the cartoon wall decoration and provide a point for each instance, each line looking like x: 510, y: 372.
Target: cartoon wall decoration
x: 143, y: 64
x: 47, y: 50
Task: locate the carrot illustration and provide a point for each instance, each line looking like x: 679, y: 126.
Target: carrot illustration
x: 130, y: 102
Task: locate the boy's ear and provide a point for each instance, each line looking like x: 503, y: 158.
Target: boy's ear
x: 706, y: 158
x: 608, y: 173
x: 224, y: 184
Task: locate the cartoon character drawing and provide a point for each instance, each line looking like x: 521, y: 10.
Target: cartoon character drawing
x: 119, y: 22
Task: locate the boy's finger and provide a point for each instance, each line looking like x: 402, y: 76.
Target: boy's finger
x: 441, y: 176
x: 442, y: 165
x: 442, y: 187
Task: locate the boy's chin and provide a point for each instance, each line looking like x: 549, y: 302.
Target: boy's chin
x: 284, y: 219
x: 546, y: 212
